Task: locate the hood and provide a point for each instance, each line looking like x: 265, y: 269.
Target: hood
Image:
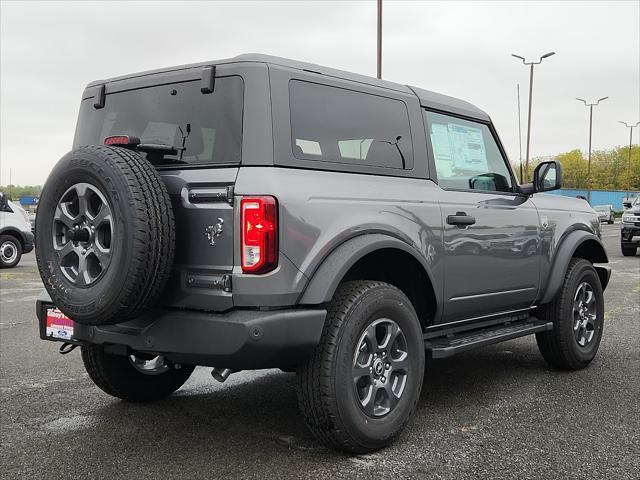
x: 635, y: 210
x: 560, y: 202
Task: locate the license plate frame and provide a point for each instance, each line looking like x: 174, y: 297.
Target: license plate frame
x: 55, y: 326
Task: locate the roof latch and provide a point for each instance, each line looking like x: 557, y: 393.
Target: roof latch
x: 208, y: 79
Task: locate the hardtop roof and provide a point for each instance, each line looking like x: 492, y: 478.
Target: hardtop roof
x: 427, y: 98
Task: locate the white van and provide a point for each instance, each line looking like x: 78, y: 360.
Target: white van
x: 16, y: 237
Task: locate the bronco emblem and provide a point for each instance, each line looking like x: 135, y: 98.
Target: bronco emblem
x: 214, y: 231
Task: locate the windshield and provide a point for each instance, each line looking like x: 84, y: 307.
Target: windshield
x: 601, y: 208
x: 211, y: 124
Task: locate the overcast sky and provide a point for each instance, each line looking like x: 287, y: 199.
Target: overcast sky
x: 50, y: 51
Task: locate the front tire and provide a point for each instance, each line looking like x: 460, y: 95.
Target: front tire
x: 10, y: 251
x: 577, y: 314
x: 628, y: 251
x: 361, y: 385
x: 122, y: 376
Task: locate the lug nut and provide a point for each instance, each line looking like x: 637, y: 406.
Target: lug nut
x: 388, y: 366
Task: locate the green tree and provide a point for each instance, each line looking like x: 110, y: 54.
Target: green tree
x: 14, y: 192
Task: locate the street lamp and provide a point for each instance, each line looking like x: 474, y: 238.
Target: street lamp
x: 379, y: 66
x: 630, y: 127
x: 530, y: 97
x: 590, y: 105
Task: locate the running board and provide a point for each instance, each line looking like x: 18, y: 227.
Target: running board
x: 452, y: 343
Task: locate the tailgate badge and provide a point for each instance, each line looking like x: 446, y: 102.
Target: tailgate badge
x: 214, y: 231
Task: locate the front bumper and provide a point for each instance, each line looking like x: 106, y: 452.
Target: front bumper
x: 630, y: 234
x: 238, y: 339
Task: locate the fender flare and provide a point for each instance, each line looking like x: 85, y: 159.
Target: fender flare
x: 563, y: 256
x: 327, y: 277
x: 19, y: 234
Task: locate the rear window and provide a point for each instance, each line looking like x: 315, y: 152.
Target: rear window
x: 344, y: 126
x: 160, y: 114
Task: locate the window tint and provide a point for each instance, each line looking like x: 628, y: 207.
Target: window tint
x: 466, y: 155
x: 338, y: 125
x: 158, y: 114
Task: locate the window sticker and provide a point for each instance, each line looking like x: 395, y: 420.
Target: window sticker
x: 467, y: 144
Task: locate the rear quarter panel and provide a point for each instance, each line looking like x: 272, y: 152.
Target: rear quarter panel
x: 319, y: 210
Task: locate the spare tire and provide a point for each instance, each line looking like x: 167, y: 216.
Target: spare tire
x: 104, y: 235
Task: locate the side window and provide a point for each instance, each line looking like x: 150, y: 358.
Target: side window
x: 466, y: 155
x: 333, y: 124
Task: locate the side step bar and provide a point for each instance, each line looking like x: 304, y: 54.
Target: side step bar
x: 452, y: 343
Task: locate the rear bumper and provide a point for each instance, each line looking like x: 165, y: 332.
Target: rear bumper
x: 238, y: 339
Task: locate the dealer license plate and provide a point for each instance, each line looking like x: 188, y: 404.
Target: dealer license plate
x: 58, y: 324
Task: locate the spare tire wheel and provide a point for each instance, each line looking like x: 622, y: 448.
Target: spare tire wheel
x: 104, y: 235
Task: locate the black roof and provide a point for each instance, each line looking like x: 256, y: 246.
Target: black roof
x: 426, y: 97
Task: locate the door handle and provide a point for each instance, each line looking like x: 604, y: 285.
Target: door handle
x: 461, y: 219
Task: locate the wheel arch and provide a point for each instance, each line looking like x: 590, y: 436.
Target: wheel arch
x: 14, y: 232
x: 376, y: 257
x: 577, y: 244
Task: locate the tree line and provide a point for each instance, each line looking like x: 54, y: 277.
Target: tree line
x: 610, y: 169
x: 14, y: 192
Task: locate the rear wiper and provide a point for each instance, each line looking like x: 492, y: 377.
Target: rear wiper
x: 156, y: 152
x: 162, y: 149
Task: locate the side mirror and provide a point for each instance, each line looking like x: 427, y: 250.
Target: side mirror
x: 546, y: 177
x: 626, y: 204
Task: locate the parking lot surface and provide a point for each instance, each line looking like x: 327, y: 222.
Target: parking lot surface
x: 497, y: 412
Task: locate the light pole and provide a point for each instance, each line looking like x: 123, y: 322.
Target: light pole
x: 590, y: 105
x: 520, y: 136
x: 630, y: 127
x: 531, y: 64
x: 379, y: 39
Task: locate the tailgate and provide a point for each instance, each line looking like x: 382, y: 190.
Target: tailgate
x: 202, y: 201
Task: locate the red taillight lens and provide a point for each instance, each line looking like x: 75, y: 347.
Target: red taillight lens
x: 122, y: 140
x: 259, y: 243
x: 117, y: 140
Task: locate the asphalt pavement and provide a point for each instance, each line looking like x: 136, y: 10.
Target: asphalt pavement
x: 497, y: 412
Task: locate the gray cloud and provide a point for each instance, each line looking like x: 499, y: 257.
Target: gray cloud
x: 50, y: 51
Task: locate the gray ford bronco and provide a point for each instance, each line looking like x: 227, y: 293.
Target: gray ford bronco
x: 258, y: 212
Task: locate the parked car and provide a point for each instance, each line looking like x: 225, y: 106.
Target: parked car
x: 605, y: 213
x: 259, y: 212
x: 630, y: 230
x: 15, y: 233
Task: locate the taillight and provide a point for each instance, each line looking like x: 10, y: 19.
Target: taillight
x: 259, y: 236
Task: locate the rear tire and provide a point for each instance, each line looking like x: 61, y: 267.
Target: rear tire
x: 10, y: 251
x: 577, y: 315
x: 628, y: 251
x: 345, y: 404
x: 116, y: 375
